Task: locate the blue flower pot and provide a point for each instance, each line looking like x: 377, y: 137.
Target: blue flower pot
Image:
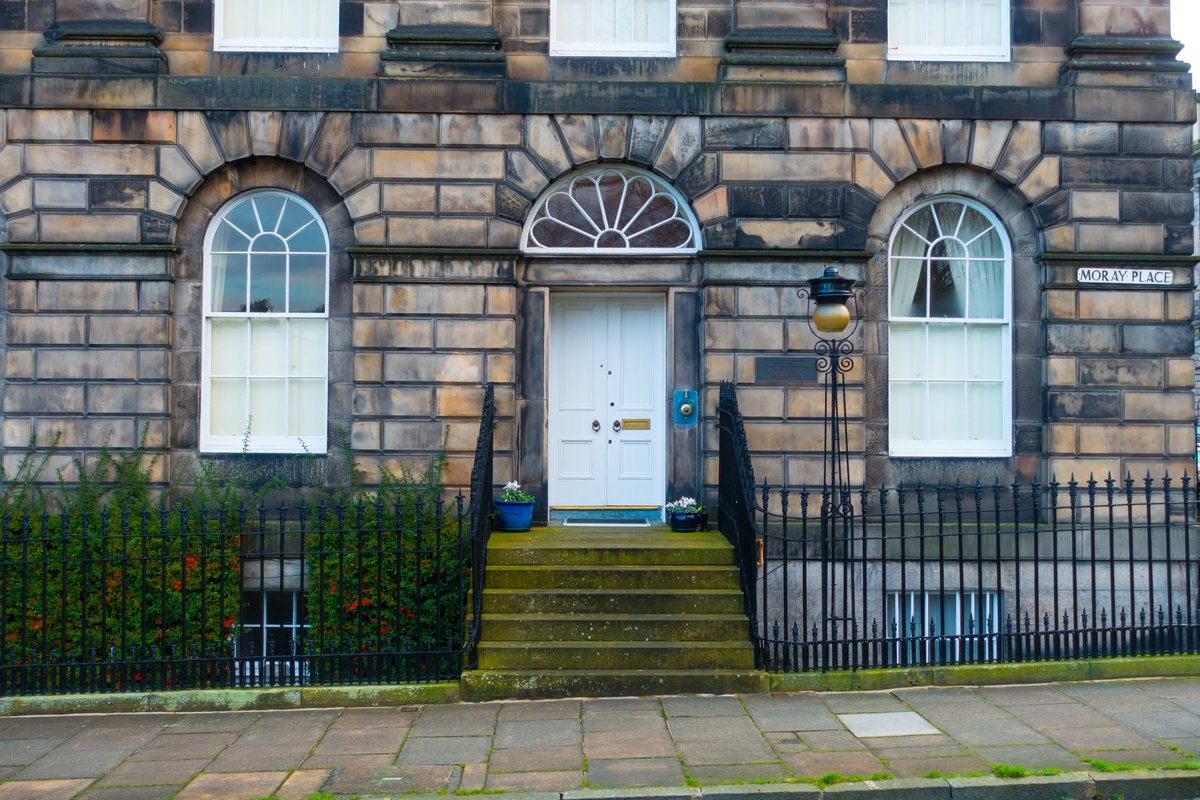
x: 688, y: 521
x: 513, y: 515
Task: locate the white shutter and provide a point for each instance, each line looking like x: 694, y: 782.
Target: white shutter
x: 948, y: 30
x: 612, y: 27
x: 280, y: 25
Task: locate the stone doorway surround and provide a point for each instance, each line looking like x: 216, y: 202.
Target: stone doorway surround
x: 537, y: 279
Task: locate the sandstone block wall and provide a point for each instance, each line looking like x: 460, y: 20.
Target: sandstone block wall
x: 108, y: 181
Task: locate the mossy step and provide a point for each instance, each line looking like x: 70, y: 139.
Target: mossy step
x: 645, y: 627
x: 612, y: 601
x: 479, y: 685
x: 621, y: 547
x: 611, y: 576
x: 625, y: 655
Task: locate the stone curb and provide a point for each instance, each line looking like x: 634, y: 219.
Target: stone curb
x: 271, y: 699
x: 233, y: 699
x: 1133, y: 785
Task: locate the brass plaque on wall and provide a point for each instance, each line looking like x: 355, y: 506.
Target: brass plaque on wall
x: 635, y: 424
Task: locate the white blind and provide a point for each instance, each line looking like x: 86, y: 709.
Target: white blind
x: 277, y: 24
x: 614, y: 26
x: 948, y: 28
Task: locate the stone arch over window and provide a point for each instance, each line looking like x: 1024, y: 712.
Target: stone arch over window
x: 614, y: 209
x: 212, y: 201
x: 1015, y: 239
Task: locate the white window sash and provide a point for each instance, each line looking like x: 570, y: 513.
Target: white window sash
x: 664, y: 48
x: 323, y: 38
x: 316, y: 443
x: 1000, y: 447
x: 901, y: 48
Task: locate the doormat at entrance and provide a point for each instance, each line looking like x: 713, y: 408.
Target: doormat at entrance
x: 606, y: 522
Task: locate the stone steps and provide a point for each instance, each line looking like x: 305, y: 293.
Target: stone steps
x: 578, y: 611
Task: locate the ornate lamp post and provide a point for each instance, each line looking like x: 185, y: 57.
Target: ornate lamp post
x: 831, y: 295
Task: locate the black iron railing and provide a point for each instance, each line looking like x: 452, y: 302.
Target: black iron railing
x: 964, y: 574
x: 171, y: 599
x: 481, y: 522
x: 735, y: 504
x: 154, y: 599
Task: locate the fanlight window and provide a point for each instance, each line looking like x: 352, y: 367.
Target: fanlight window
x: 610, y: 210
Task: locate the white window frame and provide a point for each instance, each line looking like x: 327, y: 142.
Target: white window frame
x: 267, y: 43
x: 984, y: 608
x: 274, y: 669
x: 980, y: 448
x: 275, y: 444
x: 900, y: 51
x: 665, y: 49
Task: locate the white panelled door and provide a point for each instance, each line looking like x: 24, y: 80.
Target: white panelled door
x: 607, y: 400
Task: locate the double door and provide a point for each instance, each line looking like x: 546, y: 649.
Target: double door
x: 607, y: 400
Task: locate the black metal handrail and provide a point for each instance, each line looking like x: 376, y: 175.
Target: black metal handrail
x: 735, y: 503
x: 481, y: 521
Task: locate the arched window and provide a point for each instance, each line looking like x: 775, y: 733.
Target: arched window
x: 949, y: 332
x: 266, y: 321
x: 609, y: 210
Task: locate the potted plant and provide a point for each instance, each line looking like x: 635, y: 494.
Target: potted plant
x: 686, y: 515
x: 514, y: 508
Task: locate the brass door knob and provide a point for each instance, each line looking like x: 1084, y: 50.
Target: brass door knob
x: 595, y: 424
x: 616, y: 425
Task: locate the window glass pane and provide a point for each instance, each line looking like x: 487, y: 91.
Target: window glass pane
x: 294, y: 19
x: 269, y: 207
x: 227, y: 407
x: 268, y: 243
x: 242, y: 217
x: 987, y: 23
x: 307, y: 352
x: 241, y: 19
x: 986, y: 411
x: 572, y: 20
x: 947, y: 352
x: 985, y: 349
x: 230, y: 239
x: 906, y: 350
x: 987, y: 290
x: 947, y: 284
x: 923, y: 225
x: 267, y: 399
x: 306, y: 283
x: 908, y: 287
x: 306, y: 408
x: 308, y: 239
x: 906, y: 411
x: 267, y: 275
x: 949, y: 215
x: 947, y: 404
x: 227, y: 274
x: 228, y: 347
x: 268, y: 346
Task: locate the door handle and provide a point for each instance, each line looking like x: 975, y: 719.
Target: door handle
x: 595, y: 424
x: 617, y: 425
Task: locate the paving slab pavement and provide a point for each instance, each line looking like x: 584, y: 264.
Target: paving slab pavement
x: 1092, y: 741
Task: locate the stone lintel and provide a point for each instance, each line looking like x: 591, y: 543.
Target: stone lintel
x: 1134, y: 60
x: 627, y: 272
x: 97, y: 262
x: 445, y: 51
x: 464, y: 265
x: 781, y: 272
x: 101, y: 47
x: 799, y: 54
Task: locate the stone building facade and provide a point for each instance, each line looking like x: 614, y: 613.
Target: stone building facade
x: 964, y: 188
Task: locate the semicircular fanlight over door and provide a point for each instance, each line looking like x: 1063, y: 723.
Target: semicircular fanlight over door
x: 611, y: 210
